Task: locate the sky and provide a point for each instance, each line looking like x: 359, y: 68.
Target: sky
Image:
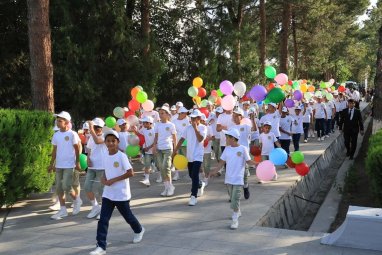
x: 364, y: 16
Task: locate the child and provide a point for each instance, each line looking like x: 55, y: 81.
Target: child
x: 285, y: 129
x: 319, y: 113
x: 297, y: 128
x: 123, y: 135
x: 116, y: 193
x: 65, y: 158
x: 235, y: 156
x: 96, y: 152
x: 206, y: 166
x: 164, y: 144
x: 148, y: 132
x: 268, y: 141
x: 307, y: 120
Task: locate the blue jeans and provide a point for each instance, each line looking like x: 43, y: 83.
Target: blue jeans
x: 107, y: 209
x: 296, y: 141
x: 193, y: 172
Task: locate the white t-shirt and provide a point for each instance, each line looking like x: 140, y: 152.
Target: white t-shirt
x: 268, y: 142
x: 165, y: 132
x: 274, y: 118
x: 97, y: 153
x: 245, y: 134
x: 285, y: 124
x: 329, y: 109
x: 174, y: 117
x: 212, y: 119
x: 308, y: 114
x: 210, y: 134
x: 235, y: 158
x: 225, y: 120
x: 297, y: 127
x: 355, y: 95
x: 180, y: 126
x: 195, y: 149
x: 117, y: 165
x: 319, y: 110
x: 123, y: 140
x: 153, y: 114
x: 65, y: 154
x: 149, y: 138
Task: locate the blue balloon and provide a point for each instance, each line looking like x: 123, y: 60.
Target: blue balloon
x: 278, y: 156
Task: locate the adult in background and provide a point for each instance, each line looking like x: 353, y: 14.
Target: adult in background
x: 352, y: 125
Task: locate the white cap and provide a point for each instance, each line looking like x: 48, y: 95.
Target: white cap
x: 180, y: 104
x: 85, y: 125
x: 165, y: 108
x: 273, y: 104
x: 64, y: 115
x: 111, y: 132
x: 147, y: 119
x: 298, y: 107
x: 232, y: 132
x: 239, y: 111
x: 166, y: 104
x: 173, y: 108
x: 219, y: 109
x: 120, y: 122
x: 204, y: 118
x: 284, y: 109
x: 252, y: 110
x: 196, y: 113
x: 319, y: 96
x: 246, y: 102
x: 182, y: 110
x: 267, y: 123
x: 98, y: 122
x: 335, y: 93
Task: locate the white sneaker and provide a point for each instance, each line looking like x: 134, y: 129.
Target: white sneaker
x: 319, y: 139
x: 146, y: 182
x: 323, y: 138
x: 165, y: 191
x: 60, y: 214
x: 77, y: 206
x: 235, y: 224
x: 327, y: 136
x: 201, y: 189
x: 313, y: 136
x: 138, y: 237
x: 98, y: 251
x: 193, y: 201
x: 170, y: 190
x: 176, y: 176
x: 305, y: 141
x: 206, y: 181
x: 94, y: 212
x: 56, y: 206
x: 159, y: 179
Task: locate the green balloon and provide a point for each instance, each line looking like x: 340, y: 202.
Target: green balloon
x: 83, y: 161
x: 276, y: 95
x: 296, y: 85
x: 141, y: 97
x: 266, y: 101
x: 329, y: 96
x: 204, y: 103
x: 270, y: 72
x: 110, y: 122
x: 132, y: 150
x: 220, y: 93
x: 297, y: 157
x: 192, y: 91
x: 184, y: 143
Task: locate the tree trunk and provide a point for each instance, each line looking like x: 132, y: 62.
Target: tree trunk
x: 377, y: 102
x: 41, y: 67
x: 145, y: 26
x: 295, y: 48
x: 263, y: 36
x: 284, y: 34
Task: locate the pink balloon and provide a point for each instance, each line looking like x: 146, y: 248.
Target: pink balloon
x: 281, y: 78
x: 228, y: 102
x: 226, y: 87
x: 289, y: 103
x: 246, y: 121
x: 70, y: 125
x: 148, y: 105
x: 265, y: 171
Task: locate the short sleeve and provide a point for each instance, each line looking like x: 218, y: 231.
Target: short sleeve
x: 274, y: 138
x: 173, y: 129
x: 126, y: 166
x: 54, y: 139
x: 224, y: 154
x: 219, y: 120
x: 90, y: 144
x: 156, y: 129
x: 76, y: 138
x: 246, y: 154
x: 184, y: 133
x: 203, y: 131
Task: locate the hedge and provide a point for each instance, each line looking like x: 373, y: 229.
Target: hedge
x: 25, y: 150
x: 374, y: 165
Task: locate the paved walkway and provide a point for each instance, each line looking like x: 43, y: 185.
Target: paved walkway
x: 172, y: 227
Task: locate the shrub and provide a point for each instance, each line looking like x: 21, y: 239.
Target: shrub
x: 374, y: 165
x: 25, y: 150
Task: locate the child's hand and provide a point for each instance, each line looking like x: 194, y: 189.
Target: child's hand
x: 78, y: 167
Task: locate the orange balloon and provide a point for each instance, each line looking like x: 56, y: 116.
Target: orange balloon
x: 135, y: 91
x: 311, y: 88
x: 218, y: 101
x: 270, y: 86
x: 257, y: 159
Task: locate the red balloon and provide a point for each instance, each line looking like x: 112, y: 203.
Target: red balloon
x: 141, y: 140
x: 82, y: 138
x: 302, y: 169
x: 205, y: 142
x: 127, y: 114
x: 133, y: 105
x: 205, y: 111
x: 258, y: 158
x: 341, y: 89
x: 244, y: 98
x: 271, y: 86
x: 202, y: 92
x: 255, y: 150
x: 290, y: 163
x: 290, y: 82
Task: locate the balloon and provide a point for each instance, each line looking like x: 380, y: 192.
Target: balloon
x: 129, y: 113
x: 281, y: 78
x: 341, y: 89
x: 205, y: 143
x: 70, y: 125
x: 329, y: 96
x: 289, y: 103
x: 196, y: 100
x: 265, y: 171
x: 295, y: 85
x: 255, y: 150
x: 202, y: 92
x: 133, y: 139
x: 148, y: 105
x: 141, y: 140
x: 290, y: 163
x: 184, y: 143
x: 297, y: 95
x: 192, y: 91
x: 258, y: 93
x: 257, y: 158
x: 133, y: 105
x: 139, y: 87
x: 228, y: 102
x: 204, y: 111
x: 303, y: 88
x: 132, y: 120
x: 141, y: 97
x: 270, y: 72
x: 119, y: 112
x: 297, y: 157
x: 302, y: 169
x: 132, y: 150
x: 197, y: 82
x: 83, y: 161
x: 134, y: 91
x: 246, y: 121
x: 218, y: 101
x: 278, y: 156
x: 82, y: 138
x: 110, y: 122
x: 226, y: 87
x: 204, y: 103
x: 311, y: 88
x: 214, y: 93
x: 180, y: 162
x: 290, y: 82
x: 239, y: 88
x: 270, y: 86
x: 331, y: 81
x: 220, y: 93
x: 212, y: 99
x: 276, y: 95
x: 307, y: 95
x: 318, y: 93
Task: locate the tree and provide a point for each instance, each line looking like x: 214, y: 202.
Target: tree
x: 263, y: 36
x: 41, y: 67
x: 378, y: 81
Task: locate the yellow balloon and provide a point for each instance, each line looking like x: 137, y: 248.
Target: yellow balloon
x: 283, y: 87
x: 197, y: 82
x: 197, y: 100
x: 180, y: 162
x: 303, y: 88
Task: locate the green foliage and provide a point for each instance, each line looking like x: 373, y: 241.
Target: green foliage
x: 374, y: 165
x: 24, y: 153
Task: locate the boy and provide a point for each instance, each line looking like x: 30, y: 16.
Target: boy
x: 116, y: 193
x: 320, y: 115
x: 123, y: 135
x: 148, y: 132
x: 268, y: 141
x: 297, y: 127
x: 235, y: 156
x: 206, y: 166
x: 65, y: 158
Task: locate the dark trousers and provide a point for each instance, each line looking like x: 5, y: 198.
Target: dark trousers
x: 107, y: 209
x: 296, y: 141
x: 306, y: 130
x: 328, y: 126
x: 320, y: 127
x: 285, y: 145
x: 336, y: 120
x: 193, y: 172
x: 350, y: 142
x: 342, y: 118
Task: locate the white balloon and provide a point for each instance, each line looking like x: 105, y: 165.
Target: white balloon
x: 239, y: 88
